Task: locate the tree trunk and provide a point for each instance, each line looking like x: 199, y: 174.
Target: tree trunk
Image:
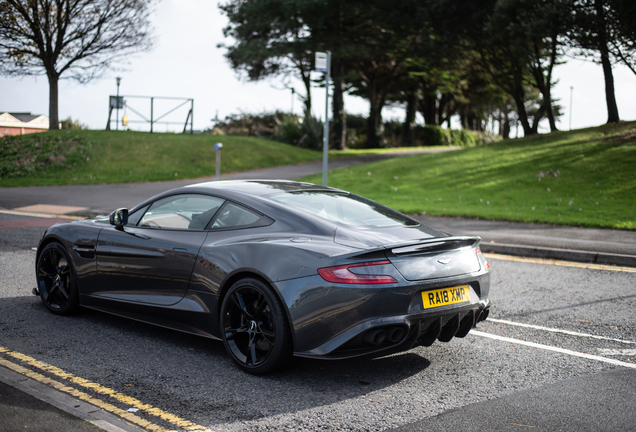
x: 537, y: 119
x: 427, y: 108
x: 407, y: 129
x: 374, y: 126
x: 519, y: 97
x: 339, y: 115
x: 548, y: 85
x: 610, y: 96
x: 54, y: 117
x: 307, y: 100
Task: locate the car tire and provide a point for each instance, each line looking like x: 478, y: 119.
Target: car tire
x: 57, y: 282
x: 255, y: 328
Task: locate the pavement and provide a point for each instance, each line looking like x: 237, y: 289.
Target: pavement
x: 26, y: 409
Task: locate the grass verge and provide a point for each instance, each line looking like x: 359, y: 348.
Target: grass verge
x: 583, y: 177
x: 91, y: 157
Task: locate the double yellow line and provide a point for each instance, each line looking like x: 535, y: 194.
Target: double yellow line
x: 560, y: 263
x: 135, y: 403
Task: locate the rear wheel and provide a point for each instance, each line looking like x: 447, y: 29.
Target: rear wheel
x: 56, y: 280
x: 255, y: 329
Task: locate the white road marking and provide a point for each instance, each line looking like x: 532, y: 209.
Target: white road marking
x: 555, y: 349
x: 554, y: 330
x: 617, y: 352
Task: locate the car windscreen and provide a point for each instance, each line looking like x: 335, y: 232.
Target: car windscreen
x: 344, y: 208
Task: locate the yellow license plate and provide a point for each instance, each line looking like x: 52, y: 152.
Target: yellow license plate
x: 446, y: 296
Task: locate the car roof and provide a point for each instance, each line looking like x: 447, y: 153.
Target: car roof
x: 261, y: 187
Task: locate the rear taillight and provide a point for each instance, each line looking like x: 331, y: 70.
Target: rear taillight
x: 342, y: 274
x: 482, y: 258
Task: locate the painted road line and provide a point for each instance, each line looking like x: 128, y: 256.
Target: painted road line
x: 555, y: 349
x: 560, y: 263
x: 177, y: 421
x: 617, y: 352
x: 554, y: 330
x: 82, y: 396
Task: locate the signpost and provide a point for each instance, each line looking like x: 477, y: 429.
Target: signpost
x: 323, y: 64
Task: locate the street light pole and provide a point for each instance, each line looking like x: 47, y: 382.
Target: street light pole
x: 117, y: 121
x: 571, y: 91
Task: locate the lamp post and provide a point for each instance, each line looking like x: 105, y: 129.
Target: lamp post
x: 117, y: 121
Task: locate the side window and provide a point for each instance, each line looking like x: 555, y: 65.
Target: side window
x: 186, y: 211
x: 234, y: 216
x: 133, y: 218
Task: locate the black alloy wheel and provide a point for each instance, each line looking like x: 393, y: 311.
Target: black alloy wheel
x: 255, y: 329
x: 56, y: 280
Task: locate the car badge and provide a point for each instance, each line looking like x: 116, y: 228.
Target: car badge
x: 443, y: 261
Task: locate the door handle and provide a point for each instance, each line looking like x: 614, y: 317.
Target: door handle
x: 180, y: 250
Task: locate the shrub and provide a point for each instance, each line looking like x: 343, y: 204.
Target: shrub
x: 71, y: 124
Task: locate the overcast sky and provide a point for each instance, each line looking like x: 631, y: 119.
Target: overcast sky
x: 186, y: 62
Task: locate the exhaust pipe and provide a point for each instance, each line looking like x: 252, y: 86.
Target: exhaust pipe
x: 396, y: 334
x: 484, y: 314
x: 374, y: 337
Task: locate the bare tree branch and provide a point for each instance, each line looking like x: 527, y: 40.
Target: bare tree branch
x: 80, y: 39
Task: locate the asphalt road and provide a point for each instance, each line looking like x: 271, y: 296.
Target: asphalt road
x: 495, y: 375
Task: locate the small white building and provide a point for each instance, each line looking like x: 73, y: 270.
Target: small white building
x: 22, y: 123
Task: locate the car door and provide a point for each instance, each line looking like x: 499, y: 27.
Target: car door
x: 151, y: 259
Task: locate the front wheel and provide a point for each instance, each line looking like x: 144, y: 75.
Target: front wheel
x: 255, y: 329
x: 56, y: 280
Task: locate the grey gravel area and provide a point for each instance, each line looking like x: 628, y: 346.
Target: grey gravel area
x: 193, y: 378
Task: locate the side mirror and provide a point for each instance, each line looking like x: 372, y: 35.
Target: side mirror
x: 119, y: 217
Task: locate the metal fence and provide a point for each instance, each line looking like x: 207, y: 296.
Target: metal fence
x: 123, y: 102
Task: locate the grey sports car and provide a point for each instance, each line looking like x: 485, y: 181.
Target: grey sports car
x: 275, y: 269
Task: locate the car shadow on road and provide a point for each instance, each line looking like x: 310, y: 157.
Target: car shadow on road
x: 186, y: 374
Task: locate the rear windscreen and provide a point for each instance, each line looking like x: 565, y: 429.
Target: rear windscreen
x: 344, y: 208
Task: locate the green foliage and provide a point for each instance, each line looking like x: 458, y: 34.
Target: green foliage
x: 301, y: 132
x: 427, y: 136
x: 583, y: 177
x: 71, y: 124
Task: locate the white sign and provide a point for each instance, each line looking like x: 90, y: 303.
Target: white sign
x: 321, y: 62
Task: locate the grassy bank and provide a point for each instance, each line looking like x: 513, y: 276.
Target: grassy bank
x: 584, y: 177
x: 88, y: 157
